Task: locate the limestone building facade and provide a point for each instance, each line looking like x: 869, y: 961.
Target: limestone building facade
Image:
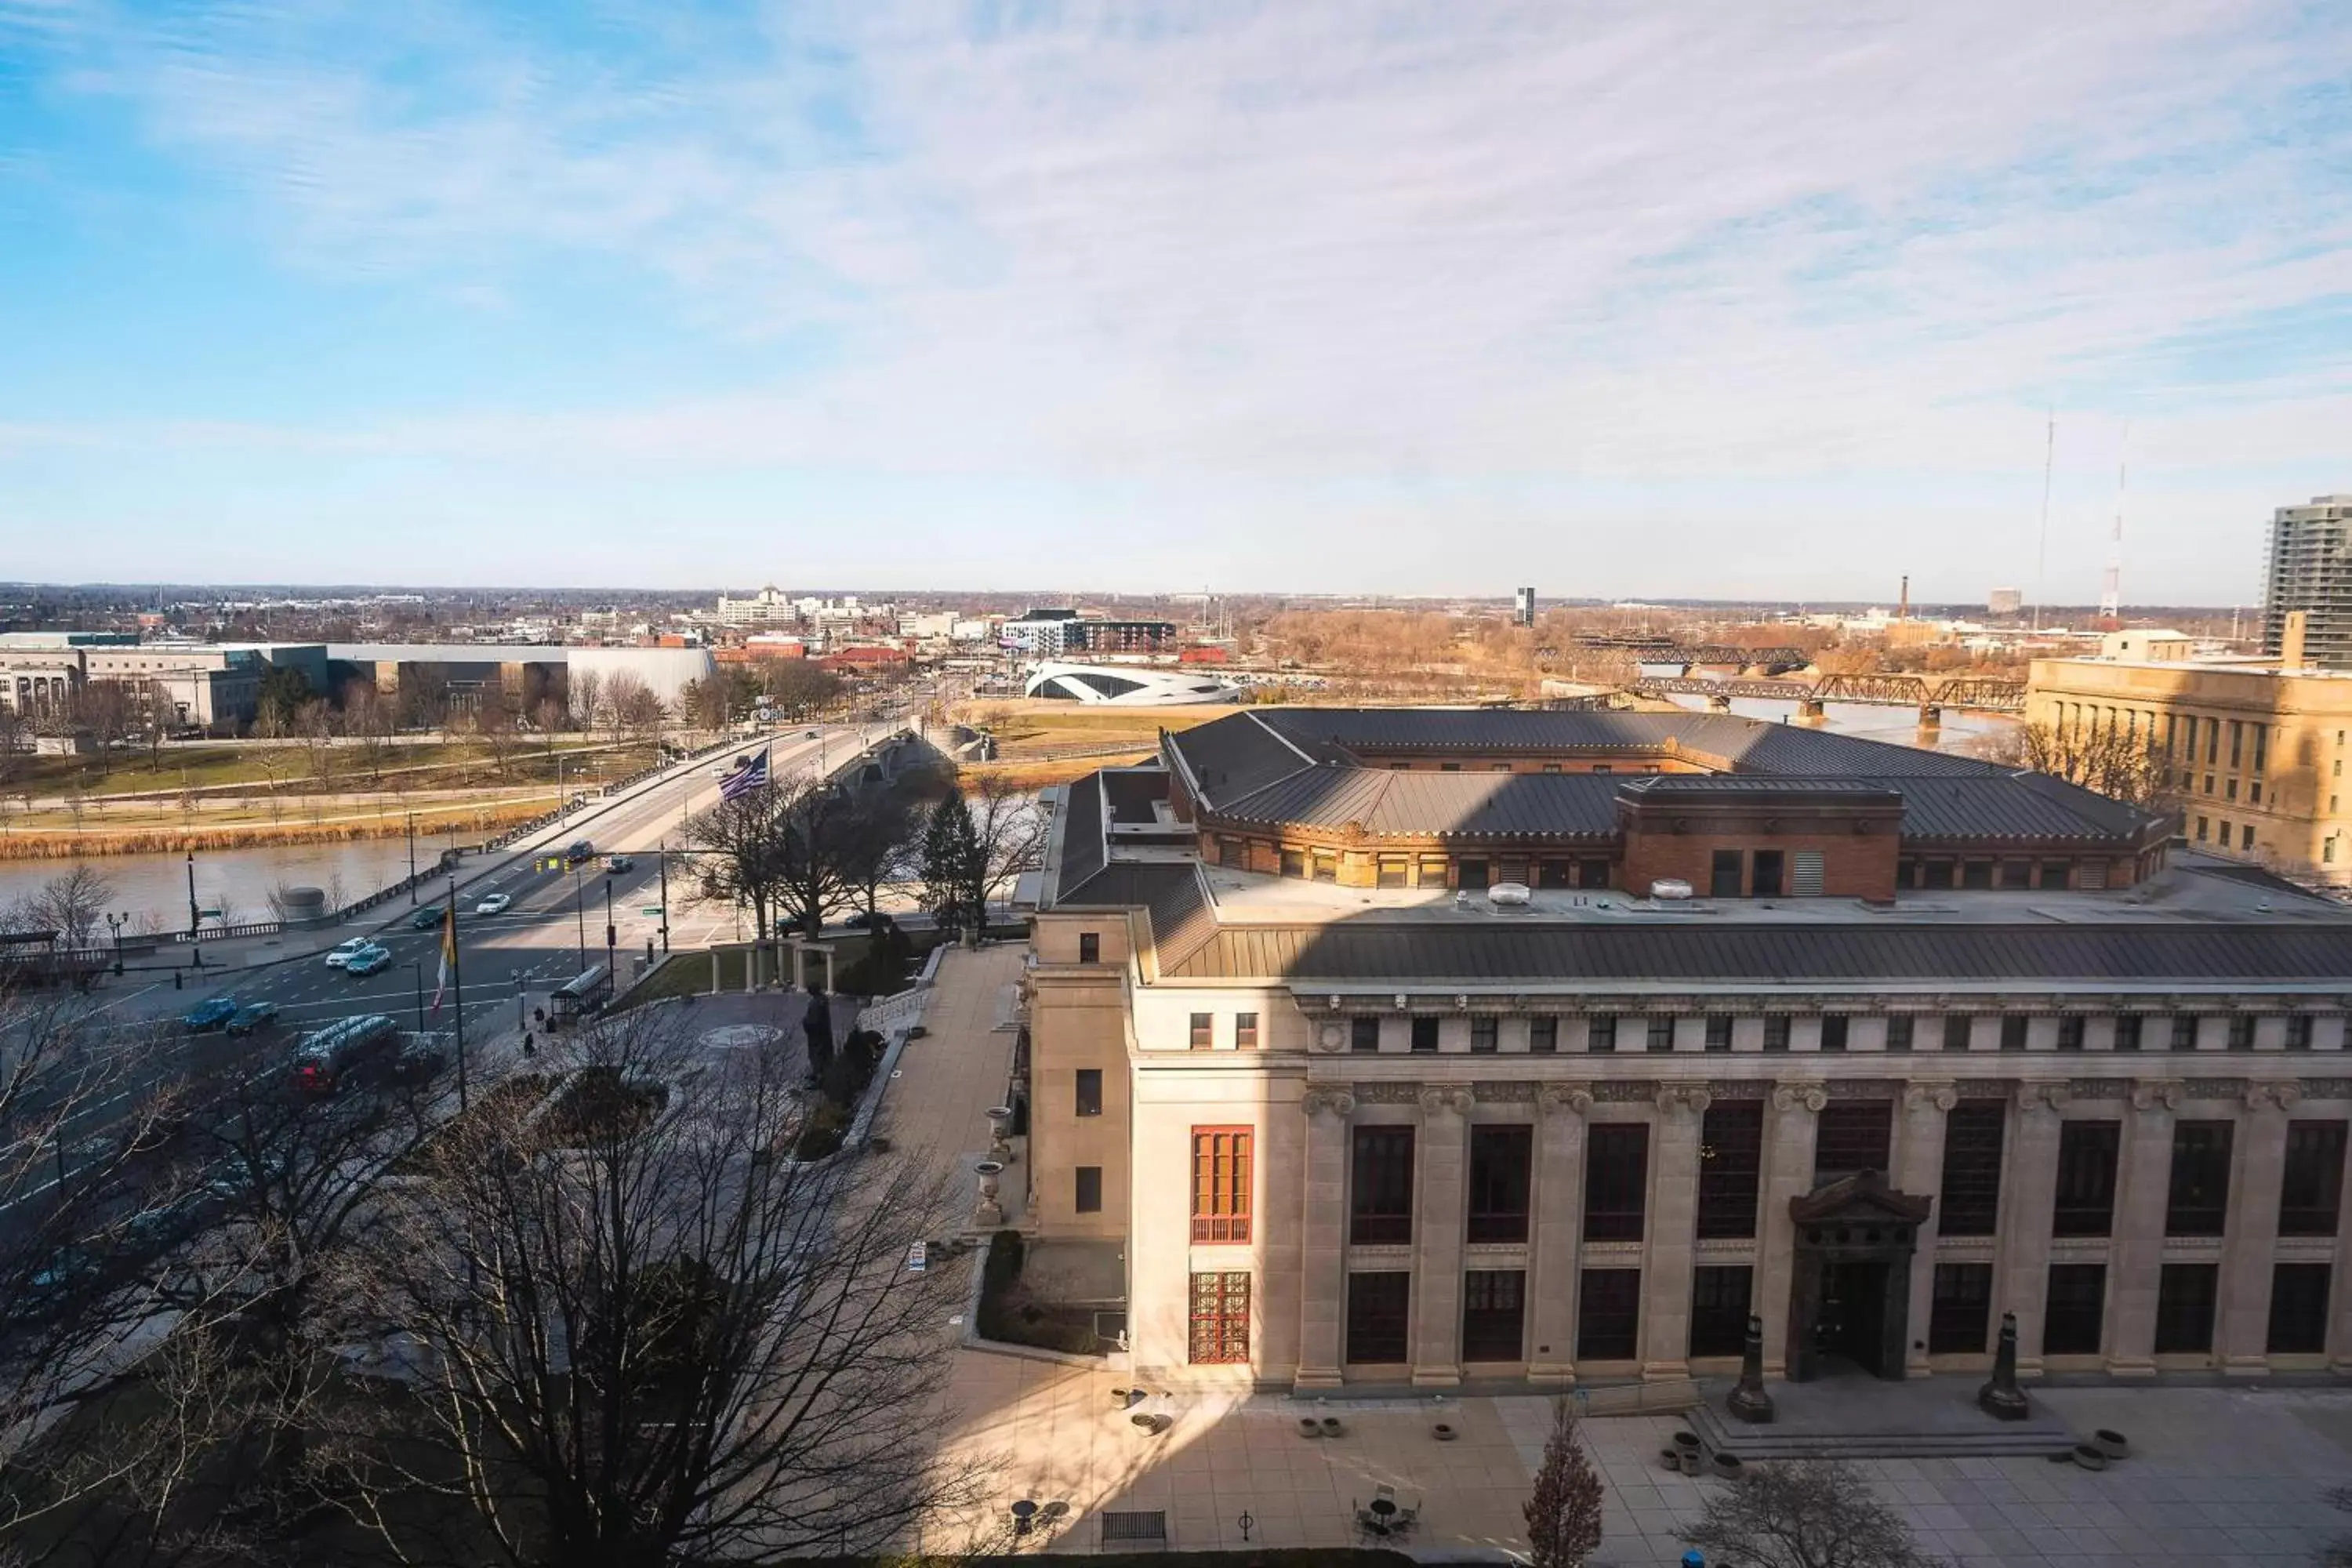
x: 1386, y: 1056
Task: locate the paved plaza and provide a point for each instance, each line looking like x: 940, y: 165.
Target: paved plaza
x: 2217, y: 1476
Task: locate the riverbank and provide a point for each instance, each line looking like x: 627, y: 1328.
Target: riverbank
x: 22, y: 842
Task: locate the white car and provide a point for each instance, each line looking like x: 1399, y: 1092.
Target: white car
x: 496, y: 904
x: 343, y: 953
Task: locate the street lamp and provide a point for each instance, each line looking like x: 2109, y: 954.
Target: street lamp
x: 412, y: 859
x: 580, y: 914
x: 114, y: 924
x: 611, y: 937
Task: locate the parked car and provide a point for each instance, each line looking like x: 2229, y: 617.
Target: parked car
x: 427, y: 918
x: 369, y: 961
x: 620, y: 863
x: 343, y: 953
x: 581, y: 850
x: 324, y: 1059
x: 210, y: 1013
x: 495, y: 904
x: 253, y: 1016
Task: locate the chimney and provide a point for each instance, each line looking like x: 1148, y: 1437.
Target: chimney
x: 1903, y: 605
x: 2290, y: 640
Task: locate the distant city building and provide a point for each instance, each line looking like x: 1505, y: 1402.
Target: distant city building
x: 1126, y: 685
x: 765, y: 608
x: 1053, y: 633
x: 1523, y: 606
x: 2310, y: 568
x: 43, y: 675
x: 2004, y: 601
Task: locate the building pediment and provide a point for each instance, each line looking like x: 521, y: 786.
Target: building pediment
x: 1864, y: 1198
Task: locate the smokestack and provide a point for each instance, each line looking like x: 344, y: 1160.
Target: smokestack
x: 2290, y: 640
x: 1903, y: 605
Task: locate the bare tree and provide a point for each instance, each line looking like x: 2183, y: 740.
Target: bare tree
x: 2103, y: 759
x: 369, y: 720
x: 1564, y: 1515
x: 650, y: 1339
x: 106, y: 709
x: 1804, y: 1513
x: 74, y: 904
x: 160, y: 715
x: 633, y: 705
x: 788, y: 850
x: 585, y: 694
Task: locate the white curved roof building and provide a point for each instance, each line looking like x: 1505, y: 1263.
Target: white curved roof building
x: 1127, y: 685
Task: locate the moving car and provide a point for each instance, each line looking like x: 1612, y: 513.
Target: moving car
x: 210, y: 1013
x: 619, y: 863
x: 253, y: 1016
x: 427, y: 918
x: 369, y: 960
x: 324, y: 1059
x: 496, y: 904
x: 343, y: 953
x: 581, y: 850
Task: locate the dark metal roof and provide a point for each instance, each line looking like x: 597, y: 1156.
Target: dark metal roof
x: 1132, y: 793
x: 1083, y: 848
x: 1548, y: 804
x: 1232, y: 757
x: 1491, y: 951
x: 1183, y: 919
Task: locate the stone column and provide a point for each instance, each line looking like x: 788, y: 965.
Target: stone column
x: 1919, y: 1171
x: 1555, y: 1259
x: 1323, y: 1237
x: 2029, y: 1187
x: 1673, y: 1226
x: 2242, y: 1331
x: 2136, y: 1253
x: 1443, y: 1149
x: 1788, y: 1174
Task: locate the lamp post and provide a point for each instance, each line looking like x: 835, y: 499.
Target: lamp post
x: 579, y: 915
x: 612, y: 936
x: 412, y: 859
x: 114, y: 924
x: 193, y: 918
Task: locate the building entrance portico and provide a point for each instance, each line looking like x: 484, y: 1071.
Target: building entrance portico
x: 1849, y: 1291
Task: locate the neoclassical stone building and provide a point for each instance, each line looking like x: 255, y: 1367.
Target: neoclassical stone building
x: 1423, y: 1047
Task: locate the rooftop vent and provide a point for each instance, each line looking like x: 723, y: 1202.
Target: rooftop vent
x: 1512, y: 895
x: 1666, y: 887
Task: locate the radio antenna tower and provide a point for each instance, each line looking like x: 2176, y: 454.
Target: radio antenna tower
x: 2041, y: 555
x: 2111, y: 588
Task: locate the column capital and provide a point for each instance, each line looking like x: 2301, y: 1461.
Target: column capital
x: 1693, y: 1097
x: 1438, y: 1098
x: 1564, y: 1100
x: 2158, y: 1094
x: 1321, y: 1098
x: 2043, y: 1094
x: 1793, y: 1096
x: 1938, y: 1095
x: 2280, y: 1095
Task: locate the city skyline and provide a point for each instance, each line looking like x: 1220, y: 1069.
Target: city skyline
x: 1234, y: 295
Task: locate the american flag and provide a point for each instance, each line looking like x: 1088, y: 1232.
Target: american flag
x: 744, y: 780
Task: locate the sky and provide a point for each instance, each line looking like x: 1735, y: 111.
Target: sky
x: 1761, y: 300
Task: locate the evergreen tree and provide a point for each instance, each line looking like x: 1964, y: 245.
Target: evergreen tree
x: 1564, y: 1514
x: 949, y: 846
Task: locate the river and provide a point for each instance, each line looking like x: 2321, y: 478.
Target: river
x: 1964, y: 733
x: 154, y: 889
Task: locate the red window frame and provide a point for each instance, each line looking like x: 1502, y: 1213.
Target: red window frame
x: 1218, y: 1319
x: 1222, y: 1173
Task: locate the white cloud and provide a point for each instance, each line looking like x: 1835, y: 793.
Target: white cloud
x: 1306, y: 243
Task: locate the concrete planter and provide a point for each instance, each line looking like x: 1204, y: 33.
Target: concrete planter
x: 1686, y: 1453
x: 2114, y: 1445
x: 1309, y: 1427
x: 1728, y: 1467
x: 1444, y: 1432
x: 2088, y: 1456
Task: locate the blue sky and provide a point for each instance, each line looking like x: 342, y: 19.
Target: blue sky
x: 1762, y: 299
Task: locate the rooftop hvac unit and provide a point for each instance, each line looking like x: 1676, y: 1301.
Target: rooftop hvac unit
x: 1666, y: 887
x: 1513, y: 895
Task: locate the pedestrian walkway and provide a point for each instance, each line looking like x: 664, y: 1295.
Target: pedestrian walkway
x: 948, y: 1078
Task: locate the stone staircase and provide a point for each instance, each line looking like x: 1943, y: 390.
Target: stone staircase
x: 1929, y: 1419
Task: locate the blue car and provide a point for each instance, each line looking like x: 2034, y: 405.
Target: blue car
x: 369, y: 960
x: 210, y: 1015
x: 253, y: 1016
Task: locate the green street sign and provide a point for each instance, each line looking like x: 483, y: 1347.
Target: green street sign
x: 650, y: 910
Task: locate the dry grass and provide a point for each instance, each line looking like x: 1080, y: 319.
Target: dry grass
x: 19, y: 842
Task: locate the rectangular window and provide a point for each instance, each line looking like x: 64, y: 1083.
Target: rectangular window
x: 1395, y: 871
x: 1972, y: 1161
x: 1718, y: 1320
x: 2298, y: 1309
x: 1089, y: 1194
x: 1293, y: 862
x: 1659, y: 1034
x: 1429, y: 870
x: 1731, y: 1156
x: 2086, y: 1179
x: 1380, y: 1200
x: 1723, y: 873
x: 1485, y: 1031
x: 1220, y: 1319
x: 2237, y: 742
x: 1976, y: 874
x: 2017, y: 873
x: 1833, y: 1033
x: 2070, y: 1032
x: 2012, y: 1033
x: 1851, y: 1135
x: 1592, y: 872
x: 1380, y: 1306
x: 1543, y: 1036
x: 1245, y: 1031
x: 1557, y: 873
x: 1898, y: 1033
x: 1936, y: 874
x: 1470, y: 872
x: 2311, y: 1193
x: 1324, y: 865
x: 1601, y: 1034
x: 1204, y: 1031
x: 2074, y: 1309
x: 1501, y: 1160
x: 1493, y: 1314
x: 1424, y: 1033
x: 2184, y: 1032
x: 1090, y: 947
x: 1616, y: 1181
x: 1960, y: 1314
x: 2242, y: 1034
x: 1221, y: 1183
x: 1609, y: 1315
x: 2298, y: 1032
x: 2198, y: 1198
x: 2127, y: 1031
x: 1363, y: 1033
x: 1776, y: 1031
x: 1767, y: 883
x: 1718, y: 1032
x: 1090, y: 1091
x: 1957, y: 1030
x: 2185, y: 1294
x: 2054, y: 874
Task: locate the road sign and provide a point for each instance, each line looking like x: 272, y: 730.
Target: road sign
x: 650, y: 910
x: 208, y: 914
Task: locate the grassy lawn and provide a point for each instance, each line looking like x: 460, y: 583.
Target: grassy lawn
x: 688, y: 974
